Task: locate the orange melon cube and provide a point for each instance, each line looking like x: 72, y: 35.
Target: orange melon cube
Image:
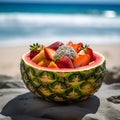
x: 52, y: 65
x: 39, y: 57
x: 44, y: 62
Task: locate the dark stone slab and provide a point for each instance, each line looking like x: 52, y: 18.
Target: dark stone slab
x: 29, y: 107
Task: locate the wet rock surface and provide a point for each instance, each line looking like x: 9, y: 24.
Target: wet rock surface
x: 114, y: 99
x: 10, y: 82
x: 112, y: 75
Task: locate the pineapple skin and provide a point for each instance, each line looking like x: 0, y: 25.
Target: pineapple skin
x: 62, y: 86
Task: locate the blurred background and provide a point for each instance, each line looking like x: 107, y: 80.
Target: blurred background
x: 45, y: 21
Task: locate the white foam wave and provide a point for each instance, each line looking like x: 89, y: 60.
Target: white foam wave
x: 18, y: 28
x: 105, y: 39
x: 26, y: 19
x: 110, y: 14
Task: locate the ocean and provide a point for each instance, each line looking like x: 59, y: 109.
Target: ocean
x: 27, y: 23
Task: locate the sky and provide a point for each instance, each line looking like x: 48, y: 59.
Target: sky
x: 73, y: 1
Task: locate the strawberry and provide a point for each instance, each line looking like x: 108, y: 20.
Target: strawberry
x: 77, y: 47
x: 33, y: 53
x: 81, y: 60
x: 55, y: 45
x: 49, y: 53
x: 89, y: 51
x: 64, y: 62
x: 34, y: 50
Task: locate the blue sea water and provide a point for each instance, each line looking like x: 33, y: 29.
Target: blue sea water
x: 25, y: 23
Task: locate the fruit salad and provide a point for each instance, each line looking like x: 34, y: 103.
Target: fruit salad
x: 59, y: 55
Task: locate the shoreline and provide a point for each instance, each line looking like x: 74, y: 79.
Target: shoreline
x: 11, y: 56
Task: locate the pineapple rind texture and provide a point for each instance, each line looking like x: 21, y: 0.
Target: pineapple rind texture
x: 62, y: 86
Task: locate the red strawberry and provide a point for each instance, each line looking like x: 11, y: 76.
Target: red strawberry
x: 81, y: 60
x: 89, y: 51
x: 64, y: 62
x: 34, y: 50
x: 55, y: 45
x: 49, y: 53
x: 33, y: 53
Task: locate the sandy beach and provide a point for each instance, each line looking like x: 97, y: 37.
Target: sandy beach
x: 11, y: 56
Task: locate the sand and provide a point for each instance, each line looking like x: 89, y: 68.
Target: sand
x: 10, y: 57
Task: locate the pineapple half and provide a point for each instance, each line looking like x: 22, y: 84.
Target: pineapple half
x: 63, y: 85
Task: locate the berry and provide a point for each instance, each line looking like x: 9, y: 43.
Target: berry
x: 35, y: 49
x: 64, y: 62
